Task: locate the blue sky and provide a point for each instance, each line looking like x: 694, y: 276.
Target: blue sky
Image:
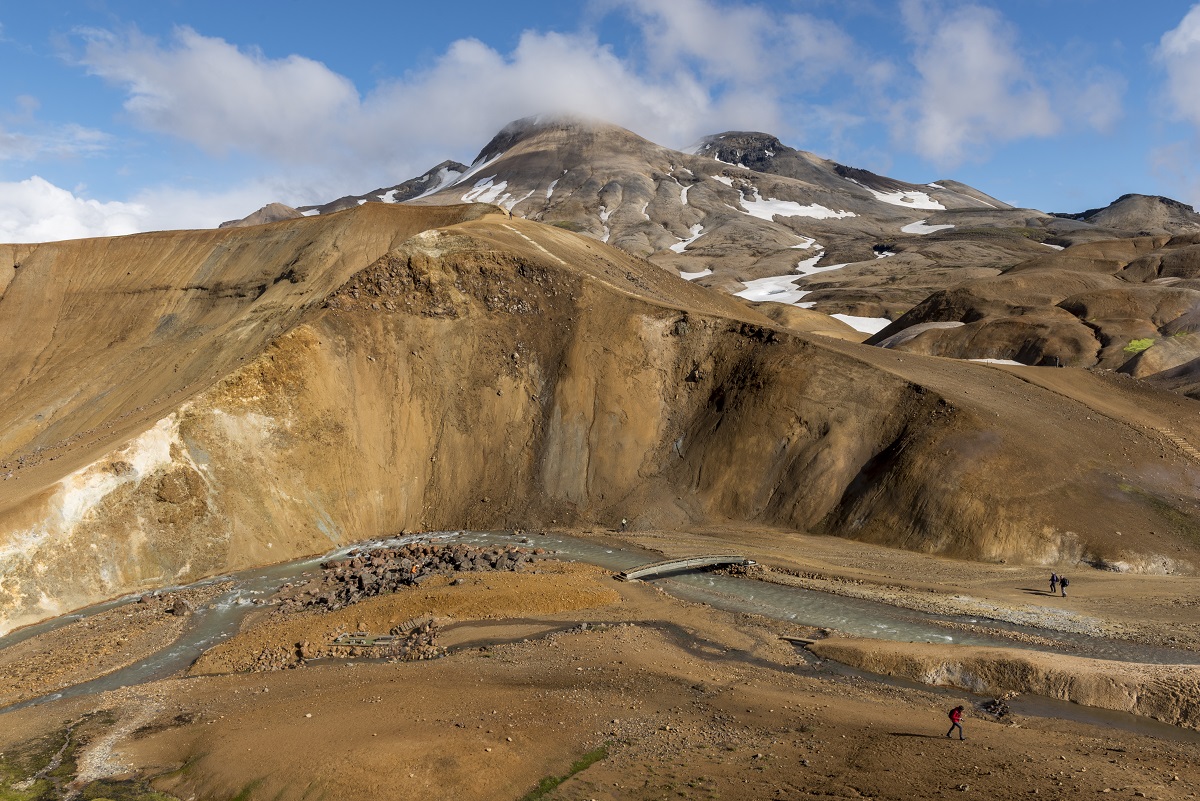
x: 117, y: 116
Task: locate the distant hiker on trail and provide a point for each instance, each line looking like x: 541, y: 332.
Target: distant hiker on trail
x: 1053, y: 582
x: 956, y: 722
x: 1063, y: 582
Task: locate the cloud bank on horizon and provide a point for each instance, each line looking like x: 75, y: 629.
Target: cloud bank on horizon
x: 960, y: 87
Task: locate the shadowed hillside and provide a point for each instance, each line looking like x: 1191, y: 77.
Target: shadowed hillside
x: 215, y: 400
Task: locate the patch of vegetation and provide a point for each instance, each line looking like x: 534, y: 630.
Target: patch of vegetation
x: 569, y: 225
x: 248, y: 791
x: 1138, y: 345
x: 549, y: 783
x: 41, y: 769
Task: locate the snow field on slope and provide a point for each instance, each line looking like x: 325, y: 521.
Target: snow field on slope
x: 485, y: 191
x: 770, y: 208
x: 777, y: 289
x: 694, y: 276
x: 445, y: 177
x: 909, y: 200
x: 809, y: 266
x: 696, y: 232
x: 867, y: 325
x: 922, y: 227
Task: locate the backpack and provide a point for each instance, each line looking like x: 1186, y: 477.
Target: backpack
x: 1064, y: 581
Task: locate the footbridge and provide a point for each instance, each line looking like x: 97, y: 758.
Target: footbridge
x: 687, y: 563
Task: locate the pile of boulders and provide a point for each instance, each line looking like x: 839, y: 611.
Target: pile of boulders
x: 366, y: 573
x: 997, y: 706
x: 412, y: 642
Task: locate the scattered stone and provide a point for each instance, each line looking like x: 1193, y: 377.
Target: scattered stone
x: 382, y: 571
x: 180, y: 607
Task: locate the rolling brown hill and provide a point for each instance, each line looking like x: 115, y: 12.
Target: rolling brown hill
x: 189, y: 403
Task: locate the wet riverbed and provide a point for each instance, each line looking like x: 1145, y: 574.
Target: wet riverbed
x: 224, y: 615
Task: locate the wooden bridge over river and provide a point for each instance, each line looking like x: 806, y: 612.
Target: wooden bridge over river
x: 679, y: 565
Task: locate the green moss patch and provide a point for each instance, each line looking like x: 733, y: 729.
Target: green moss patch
x: 549, y: 783
x: 1138, y: 345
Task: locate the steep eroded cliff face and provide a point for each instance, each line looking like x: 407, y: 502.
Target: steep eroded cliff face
x: 500, y: 373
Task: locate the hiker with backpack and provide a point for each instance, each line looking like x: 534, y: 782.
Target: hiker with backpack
x: 1062, y: 582
x: 1053, y: 582
x: 956, y: 722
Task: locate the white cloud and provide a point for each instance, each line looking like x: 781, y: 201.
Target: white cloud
x: 23, y: 137
x: 1179, y: 52
x: 974, y: 87
x: 747, y: 44
x: 35, y: 210
x: 209, y: 92
x: 295, y: 111
x: 741, y: 62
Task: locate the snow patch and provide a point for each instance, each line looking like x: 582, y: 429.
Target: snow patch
x: 935, y: 186
x: 485, y: 191
x: 883, y: 254
x: 445, y: 177
x: 645, y: 206
x: 805, y: 245
x: 921, y: 227
x: 809, y: 266
x: 723, y: 179
x: 770, y: 208
x: 388, y: 196
x: 508, y: 205
x: 867, y: 325
x: 696, y: 231
x: 474, y: 170
x: 550, y: 189
x: 361, y: 201
x: 311, y: 212
x: 683, y: 192
x: 694, y: 276
x: 1054, y: 247
x: 604, y: 215
x: 910, y: 199
x: 776, y: 289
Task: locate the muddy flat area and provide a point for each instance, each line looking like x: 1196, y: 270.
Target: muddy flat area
x: 561, y: 678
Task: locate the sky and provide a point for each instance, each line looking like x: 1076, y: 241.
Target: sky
x: 119, y: 116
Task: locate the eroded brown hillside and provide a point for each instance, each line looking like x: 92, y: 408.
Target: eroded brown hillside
x: 502, y: 373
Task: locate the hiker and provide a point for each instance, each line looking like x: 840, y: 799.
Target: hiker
x: 1053, y: 582
x: 956, y: 722
x: 1063, y: 582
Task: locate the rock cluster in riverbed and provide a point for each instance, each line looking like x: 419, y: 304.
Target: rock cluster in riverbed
x: 363, y: 574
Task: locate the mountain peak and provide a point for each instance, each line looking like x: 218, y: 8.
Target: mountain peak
x: 525, y: 128
x: 751, y: 149
x: 1146, y: 214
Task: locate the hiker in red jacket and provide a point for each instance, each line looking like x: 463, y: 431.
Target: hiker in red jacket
x: 956, y: 722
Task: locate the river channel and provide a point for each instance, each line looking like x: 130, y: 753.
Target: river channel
x: 223, y: 615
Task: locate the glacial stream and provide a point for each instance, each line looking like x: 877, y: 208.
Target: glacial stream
x: 223, y: 616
